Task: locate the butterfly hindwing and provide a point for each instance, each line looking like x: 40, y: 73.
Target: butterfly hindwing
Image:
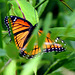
x: 48, y: 46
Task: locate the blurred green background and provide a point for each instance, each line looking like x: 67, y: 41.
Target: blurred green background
x: 51, y: 15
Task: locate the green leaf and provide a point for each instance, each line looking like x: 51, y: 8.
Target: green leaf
x: 72, y: 55
x: 62, y: 19
x: 32, y: 40
x: 3, y: 12
x: 61, y: 32
x: 32, y: 66
x: 55, y: 73
x: 70, y: 65
x: 1, y: 64
x: 11, y: 31
x: 48, y: 56
x: 12, y: 50
x: 10, y: 69
x: 31, y: 43
x: 72, y: 19
x: 2, y: 52
x: 29, y: 11
x: 15, y: 11
x: 62, y: 55
x: 33, y: 2
x: 41, y: 39
x: 47, y: 23
x: 42, y: 7
x: 1, y: 45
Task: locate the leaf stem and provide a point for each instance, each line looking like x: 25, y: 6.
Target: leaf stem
x: 5, y: 65
x: 20, y: 9
x: 52, y: 66
x: 66, y: 5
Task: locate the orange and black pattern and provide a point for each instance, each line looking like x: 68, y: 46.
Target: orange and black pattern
x: 48, y: 46
x: 22, y: 30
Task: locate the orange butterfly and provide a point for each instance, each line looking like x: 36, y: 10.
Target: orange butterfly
x: 22, y: 30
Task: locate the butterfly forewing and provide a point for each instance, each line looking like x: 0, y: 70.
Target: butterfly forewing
x: 20, y: 28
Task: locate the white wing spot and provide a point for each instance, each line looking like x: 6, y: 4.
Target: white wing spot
x: 55, y: 40
x: 15, y: 19
x: 56, y: 48
x: 53, y: 48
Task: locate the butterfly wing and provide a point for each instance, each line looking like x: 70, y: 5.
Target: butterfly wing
x: 21, y: 29
x: 48, y: 46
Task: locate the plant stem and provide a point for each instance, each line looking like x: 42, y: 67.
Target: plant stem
x: 51, y: 67
x: 66, y: 5
x: 5, y: 65
x: 56, y: 62
x: 20, y: 9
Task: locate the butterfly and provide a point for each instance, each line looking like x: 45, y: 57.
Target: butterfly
x: 22, y: 30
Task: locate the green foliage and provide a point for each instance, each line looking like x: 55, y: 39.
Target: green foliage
x: 42, y: 7
x: 52, y: 16
x: 0, y: 33
x: 32, y: 16
x: 70, y: 65
x: 47, y: 23
x: 16, y: 11
x: 12, y: 51
x: 10, y: 69
x: 31, y: 43
x: 2, y: 52
x: 34, y: 63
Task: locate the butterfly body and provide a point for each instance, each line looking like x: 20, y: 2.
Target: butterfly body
x: 22, y: 30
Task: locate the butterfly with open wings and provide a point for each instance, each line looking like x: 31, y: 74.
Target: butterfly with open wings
x: 22, y: 30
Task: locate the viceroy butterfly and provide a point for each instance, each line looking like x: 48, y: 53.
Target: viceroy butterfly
x: 22, y: 30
